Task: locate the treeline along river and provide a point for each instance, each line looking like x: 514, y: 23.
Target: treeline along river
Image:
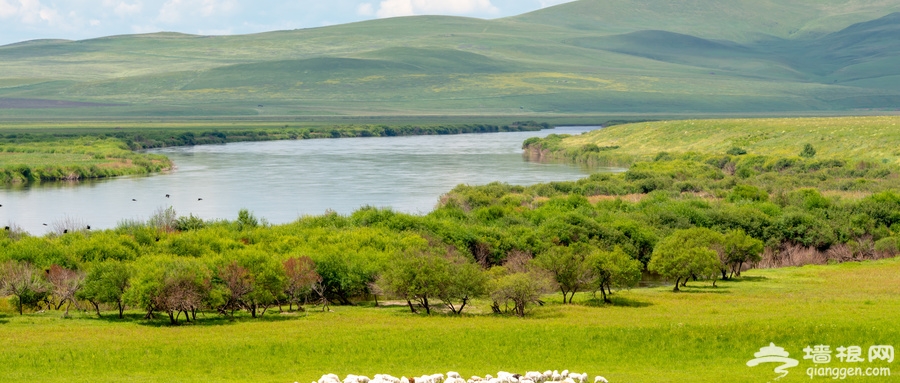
x: 283, y: 180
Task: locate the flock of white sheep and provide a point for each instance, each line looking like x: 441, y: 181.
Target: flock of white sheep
x: 453, y: 377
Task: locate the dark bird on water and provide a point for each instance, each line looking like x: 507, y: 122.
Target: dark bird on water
x: 199, y: 199
x: 45, y: 224
x: 133, y: 199
x: 167, y: 196
x: 88, y: 227
x: 65, y: 231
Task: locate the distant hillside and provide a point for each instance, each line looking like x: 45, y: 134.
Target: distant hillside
x: 583, y: 57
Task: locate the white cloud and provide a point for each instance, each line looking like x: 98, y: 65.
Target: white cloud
x: 7, y: 10
x: 394, y: 8
x: 364, y: 9
x: 32, y: 12
x: 124, y: 9
x: 94, y: 22
x: 174, y: 11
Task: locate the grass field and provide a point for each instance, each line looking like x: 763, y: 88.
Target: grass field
x: 855, y: 138
x: 704, y: 334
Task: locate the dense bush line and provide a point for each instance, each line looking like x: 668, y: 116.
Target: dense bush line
x: 686, y: 217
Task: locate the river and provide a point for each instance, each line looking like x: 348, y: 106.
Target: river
x: 281, y: 181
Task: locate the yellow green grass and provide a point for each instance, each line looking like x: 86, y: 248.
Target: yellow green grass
x: 74, y: 158
x: 857, y: 138
x: 704, y: 334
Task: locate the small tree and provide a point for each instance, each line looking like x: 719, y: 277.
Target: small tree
x: 174, y: 285
x: 65, y: 284
x: 518, y: 282
x: 686, y: 253
x: 808, y: 151
x: 568, y: 267
x: 465, y: 281
x: 739, y: 248
x: 520, y: 289
x: 24, y: 283
x: 107, y: 282
x: 301, y: 275
x: 614, y: 269
x: 237, y: 283
x: 246, y: 220
x: 416, y: 274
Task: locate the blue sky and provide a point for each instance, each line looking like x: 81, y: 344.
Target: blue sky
x: 22, y: 20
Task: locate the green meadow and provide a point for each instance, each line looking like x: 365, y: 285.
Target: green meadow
x: 852, y: 138
x: 647, y: 335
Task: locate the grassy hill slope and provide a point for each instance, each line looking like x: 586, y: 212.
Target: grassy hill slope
x: 859, y: 138
x: 584, y: 57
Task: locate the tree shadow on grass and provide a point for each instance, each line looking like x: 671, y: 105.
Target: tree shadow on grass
x: 616, y: 301
x: 704, y: 290
x: 3, y: 319
x: 746, y: 279
x: 203, y: 319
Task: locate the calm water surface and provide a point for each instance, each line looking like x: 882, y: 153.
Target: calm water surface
x: 283, y: 180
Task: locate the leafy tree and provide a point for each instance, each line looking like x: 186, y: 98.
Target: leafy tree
x: 518, y: 282
x: 568, y: 267
x: 613, y: 269
x: 107, y: 282
x: 301, y: 276
x: 23, y: 281
x: 686, y: 253
x: 739, y: 248
x: 259, y: 278
x: 246, y: 220
x: 519, y: 288
x: 236, y: 283
x: 174, y: 285
x: 417, y: 275
x: 465, y: 281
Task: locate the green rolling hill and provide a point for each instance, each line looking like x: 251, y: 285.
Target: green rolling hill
x: 589, y: 57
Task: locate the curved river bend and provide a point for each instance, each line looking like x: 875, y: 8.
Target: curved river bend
x: 283, y: 180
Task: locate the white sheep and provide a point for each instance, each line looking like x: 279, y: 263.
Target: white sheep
x: 329, y: 378
x: 453, y: 374
x: 600, y: 379
x: 580, y: 378
x: 534, y: 376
